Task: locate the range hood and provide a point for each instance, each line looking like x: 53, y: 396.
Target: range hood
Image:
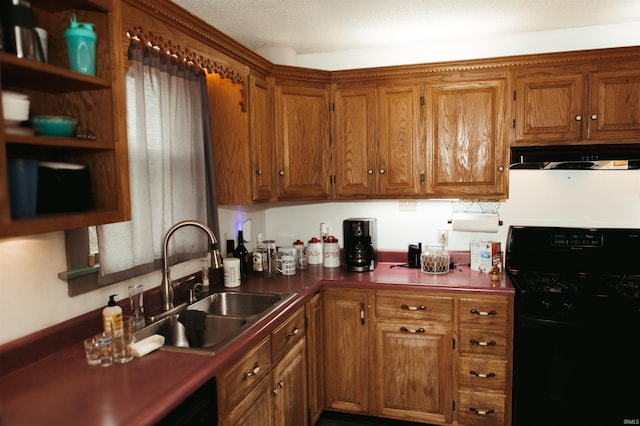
x: 577, y: 157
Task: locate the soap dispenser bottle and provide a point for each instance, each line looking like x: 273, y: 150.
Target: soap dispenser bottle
x: 112, y: 317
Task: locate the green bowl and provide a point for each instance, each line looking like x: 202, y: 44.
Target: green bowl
x: 52, y: 125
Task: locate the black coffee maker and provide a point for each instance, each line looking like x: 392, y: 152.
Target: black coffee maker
x: 359, y: 244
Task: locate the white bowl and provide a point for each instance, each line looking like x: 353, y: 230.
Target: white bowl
x: 15, y: 107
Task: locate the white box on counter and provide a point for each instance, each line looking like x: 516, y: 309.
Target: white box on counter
x: 485, y: 255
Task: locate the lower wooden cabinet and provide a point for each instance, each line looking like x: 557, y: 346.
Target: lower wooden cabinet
x: 268, y: 385
x: 315, y: 357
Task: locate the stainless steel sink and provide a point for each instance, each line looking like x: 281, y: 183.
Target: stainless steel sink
x: 216, y: 330
x: 231, y: 303
x: 228, y: 316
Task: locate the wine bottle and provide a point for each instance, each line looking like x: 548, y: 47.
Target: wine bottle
x: 242, y: 253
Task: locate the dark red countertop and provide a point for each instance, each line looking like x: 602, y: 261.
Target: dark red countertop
x: 62, y: 389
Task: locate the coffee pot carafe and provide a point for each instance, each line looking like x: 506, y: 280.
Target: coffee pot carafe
x: 20, y: 36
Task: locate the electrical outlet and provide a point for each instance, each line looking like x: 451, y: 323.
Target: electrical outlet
x: 407, y: 205
x: 443, y: 237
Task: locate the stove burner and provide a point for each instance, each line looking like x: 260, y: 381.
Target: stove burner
x: 548, y: 282
x: 625, y: 285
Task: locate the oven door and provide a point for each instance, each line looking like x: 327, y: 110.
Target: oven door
x: 573, y: 373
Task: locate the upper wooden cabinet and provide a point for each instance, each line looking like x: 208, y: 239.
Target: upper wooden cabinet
x: 261, y: 137
x: 377, y: 141
x: 466, y: 136
x: 399, y: 144
x: 97, y: 101
x: 302, y: 142
x: 595, y: 101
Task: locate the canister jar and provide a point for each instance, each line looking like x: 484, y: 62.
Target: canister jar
x: 301, y: 254
x: 331, y: 252
x: 435, y: 260
x: 314, y: 251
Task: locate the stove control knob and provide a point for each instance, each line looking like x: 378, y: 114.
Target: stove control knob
x: 546, y: 304
x: 567, y: 306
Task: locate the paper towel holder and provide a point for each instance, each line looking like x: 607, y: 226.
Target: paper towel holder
x: 476, y: 207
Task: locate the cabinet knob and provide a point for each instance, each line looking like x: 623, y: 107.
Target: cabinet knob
x: 281, y: 172
x: 578, y: 118
x: 370, y: 171
x: 256, y: 369
x: 292, y: 333
x: 594, y: 117
x: 501, y: 169
x: 381, y: 171
x: 259, y: 172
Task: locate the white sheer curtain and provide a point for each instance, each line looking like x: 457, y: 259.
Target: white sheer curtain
x: 166, y: 167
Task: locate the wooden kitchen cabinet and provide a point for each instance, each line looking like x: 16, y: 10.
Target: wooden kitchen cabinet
x: 377, y: 140
x: 414, y: 357
x: 398, y: 158
x: 242, y: 141
x: 302, y: 142
x: 356, y: 171
x: 467, y: 148
x: 595, y: 102
x: 315, y: 357
x: 97, y: 101
x: 268, y: 385
x: 346, y: 350
x: 484, y: 361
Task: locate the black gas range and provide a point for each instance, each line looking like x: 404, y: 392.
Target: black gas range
x: 577, y: 322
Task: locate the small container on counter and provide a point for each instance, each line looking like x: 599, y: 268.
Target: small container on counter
x: 301, y: 254
x: 314, y: 251
x: 435, y: 260
x: 331, y: 252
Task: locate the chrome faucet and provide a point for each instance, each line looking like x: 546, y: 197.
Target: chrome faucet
x: 166, y: 288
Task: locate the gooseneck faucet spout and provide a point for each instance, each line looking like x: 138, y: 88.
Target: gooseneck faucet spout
x: 166, y: 289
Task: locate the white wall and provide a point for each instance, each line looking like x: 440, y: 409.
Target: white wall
x: 32, y: 296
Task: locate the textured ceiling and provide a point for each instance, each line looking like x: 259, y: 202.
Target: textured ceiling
x: 319, y: 26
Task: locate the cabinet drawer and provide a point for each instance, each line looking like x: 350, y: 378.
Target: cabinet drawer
x: 287, y: 335
x: 482, y: 373
x: 484, y: 409
x: 483, y: 342
x: 242, y: 376
x: 414, y: 306
x: 486, y: 312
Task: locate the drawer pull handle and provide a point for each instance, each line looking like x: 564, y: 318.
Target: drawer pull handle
x: 475, y: 342
x: 482, y: 313
x: 408, y: 330
x: 413, y: 308
x: 293, y: 332
x: 482, y: 412
x: 482, y: 375
x: 256, y: 369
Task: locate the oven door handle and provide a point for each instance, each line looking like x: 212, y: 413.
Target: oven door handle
x: 550, y: 322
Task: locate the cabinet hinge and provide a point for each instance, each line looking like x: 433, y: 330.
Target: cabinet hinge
x: 422, y: 177
x: 514, y: 95
x: 332, y: 106
x: 453, y: 341
x: 453, y: 405
x: 514, y: 123
x: 421, y: 100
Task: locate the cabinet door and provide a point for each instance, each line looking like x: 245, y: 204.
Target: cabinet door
x: 467, y: 148
x: 615, y: 105
x: 290, y: 388
x: 399, y: 141
x: 229, y: 141
x: 315, y: 357
x: 262, y: 146
x: 549, y: 107
x: 256, y: 409
x: 346, y: 350
x: 354, y: 150
x: 302, y: 143
x: 414, y: 375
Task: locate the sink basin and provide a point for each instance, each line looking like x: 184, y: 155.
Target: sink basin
x: 228, y: 316
x: 231, y: 303
x: 217, y: 329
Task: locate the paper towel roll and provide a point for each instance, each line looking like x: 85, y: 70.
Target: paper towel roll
x: 475, y: 222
